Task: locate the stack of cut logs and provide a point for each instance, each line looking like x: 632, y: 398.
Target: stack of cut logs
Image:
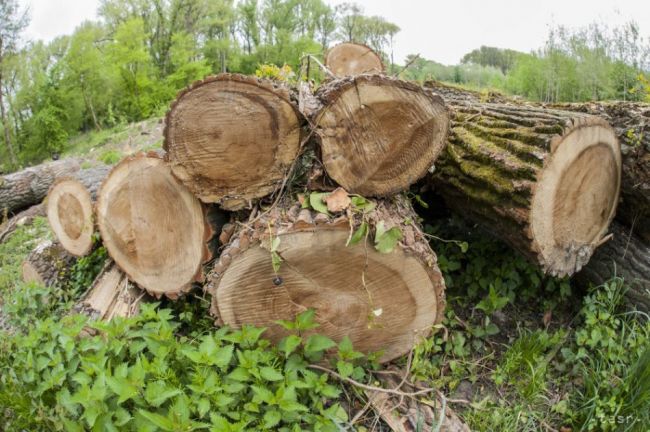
x: 278, y: 199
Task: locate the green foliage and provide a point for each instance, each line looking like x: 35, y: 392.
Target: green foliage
x: 136, y: 374
x: 110, y: 157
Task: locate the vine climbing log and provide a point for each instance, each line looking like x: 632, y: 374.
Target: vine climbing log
x: 545, y: 181
x: 378, y: 135
x: 382, y: 301
x: 25, y: 188
x: 348, y: 58
x: 152, y: 226
x: 231, y: 139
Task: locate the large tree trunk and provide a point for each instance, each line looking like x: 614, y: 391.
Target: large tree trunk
x: 231, y: 139
x: 631, y: 121
x: 348, y: 59
x: 25, y: 188
x: 48, y: 264
x: 378, y: 135
x: 545, y: 181
x: 626, y: 256
x: 382, y: 301
x: 152, y: 226
x: 70, y: 205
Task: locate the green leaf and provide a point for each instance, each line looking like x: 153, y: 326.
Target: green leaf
x: 318, y: 343
x: 345, y: 369
x: 272, y: 418
x: 386, y: 240
x: 270, y: 374
x: 223, y: 356
x: 239, y: 374
x: 122, y: 388
x: 289, y: 344
x: 276, y: 261
x: 316, y: 202
x: 361, y: 203
x: 305, y: 320
x: 158, y: 392
x: 463, y: 247
x: 358, y: 235
x: 263, y: 394
x: 162, y: 422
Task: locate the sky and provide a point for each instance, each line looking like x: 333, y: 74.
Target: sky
x: 438, y: 30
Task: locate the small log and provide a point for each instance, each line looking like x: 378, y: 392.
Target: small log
x: 346, y: 59
x: 25, y: 217
x: 231, y: 139
x: 111, y: 295
x: 382, y: 301
x: 47, y: 264
x: 25, y: 188
x: 378, y: 135
x: 627, y: 256
x: 70, y: 209
x: 152, y: 226
x: 545, y: 181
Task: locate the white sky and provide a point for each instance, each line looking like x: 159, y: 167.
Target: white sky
x: 437, y: 30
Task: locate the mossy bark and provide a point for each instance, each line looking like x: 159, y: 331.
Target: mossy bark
x: 493, y: 163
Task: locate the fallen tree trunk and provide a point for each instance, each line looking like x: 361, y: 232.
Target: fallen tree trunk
x: 626, y: 256
x: 152, y: 226
x: 25, y: 217
x: 378, y: 135
x: 382, y: 301
x: 348, y: 59
x: 231, y: 139
x: 25, y: 188
x: 111, y: 295
x: 47, y: 264
x: 631, y: 121
x: 545, y: 181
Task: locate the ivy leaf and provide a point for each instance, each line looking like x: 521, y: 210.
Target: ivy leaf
x: 270, y: 374
x: 318, y: 343
x: 158, y: 392
x: 358, y: 235
x: 317, y: 203
x: 386, y: 240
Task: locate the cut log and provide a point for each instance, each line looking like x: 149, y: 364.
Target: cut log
x: 70, y: 214
x: 25, y: 188
x: 25, y: 217
x: 70, y: 209
x: 382, y: 301
x: 231, y: 139
x: 152, y: 226
x: 47, y: 264
x: 111, y: 295
x: 631, y: 121
x: 378, y: 135
x: 347, y: 59
x: 545, y: 181
x: 628, y: 257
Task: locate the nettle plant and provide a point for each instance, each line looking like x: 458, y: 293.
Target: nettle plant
x: 138, y: 374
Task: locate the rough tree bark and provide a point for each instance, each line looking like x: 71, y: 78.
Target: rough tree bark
x: 378, y: 135
x: 380, y: 300
x: 626, y: 256
x: 152, y: 226
x: 47, y: 264
x: 545, y: 181
x: 25, y: 217
x: 348, y: 59
x: 231, y: 139
x: 25, y: 188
